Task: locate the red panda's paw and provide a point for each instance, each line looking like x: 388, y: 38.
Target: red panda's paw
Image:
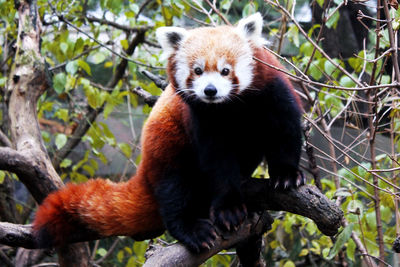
x: 288, y: 180
x: 200, y: 237
x: 228, y: 218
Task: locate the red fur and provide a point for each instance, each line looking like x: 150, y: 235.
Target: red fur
x: 109, y: 208
x: 265, y: 74
x: 130, y: 208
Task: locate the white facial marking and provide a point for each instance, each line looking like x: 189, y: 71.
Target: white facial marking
x: 182, y: 69
x: 222, y: 84
x: 221, y: 64
x: 199, y: 63
x: 244, y: 69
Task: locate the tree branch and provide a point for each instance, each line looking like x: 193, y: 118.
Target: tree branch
x: 118, y: 26
x: 178, y: 255
x: 148, y: 98
x: 159, y: 81
x: 306, y: 200
x: 27, y: 82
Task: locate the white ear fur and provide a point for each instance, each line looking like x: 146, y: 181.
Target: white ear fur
x: 170, y: 38
x: 251, y: 27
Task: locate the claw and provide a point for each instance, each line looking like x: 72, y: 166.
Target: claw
x: 286, y: 184
x: 227, y: 225
x: 205, y: 245
x: 298, y: 182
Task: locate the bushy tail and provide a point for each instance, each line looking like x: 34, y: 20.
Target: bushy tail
x: 95, y: 209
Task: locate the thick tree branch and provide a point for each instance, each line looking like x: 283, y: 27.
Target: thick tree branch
x: 17, y: 235
x: 178, y: 255
x: 27, y: 82
x: 306, y: 200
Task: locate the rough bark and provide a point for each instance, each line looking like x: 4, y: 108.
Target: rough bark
x: 27, y: 82
x: 306, y: 200
x: 178, y: 255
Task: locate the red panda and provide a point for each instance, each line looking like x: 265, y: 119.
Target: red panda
x: 220, y: 116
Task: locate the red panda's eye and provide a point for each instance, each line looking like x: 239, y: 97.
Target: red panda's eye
x: 225, y: 71
x: 198, y: 71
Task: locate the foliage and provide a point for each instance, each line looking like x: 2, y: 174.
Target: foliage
x: 344, y: 97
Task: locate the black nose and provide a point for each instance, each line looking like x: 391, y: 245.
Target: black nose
x: 210, y: 90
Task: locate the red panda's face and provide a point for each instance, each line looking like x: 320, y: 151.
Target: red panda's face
x: 211, y: 64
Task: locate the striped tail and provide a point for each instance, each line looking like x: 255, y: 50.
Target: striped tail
x: 95, y: 209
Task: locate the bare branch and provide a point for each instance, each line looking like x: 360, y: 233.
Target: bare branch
x: 118, y: 26
x: 148, y: 98
x: 158, y: 80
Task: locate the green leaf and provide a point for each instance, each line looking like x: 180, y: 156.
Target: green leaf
x: 289, y: 263
x: 98, y: 57
x: 59, y: 81
x: 330, y: 68
x: 46, y: 136
x: 134, y: 7
x: 124, y: 44
x: 342, y: 192
x: 3, y: 81
x: 351, y: 249
x: 225, y: 4
x: 65, y: 163
x: 356, y: 63
x: 385, y: 78
x: 334, y: 19
x: 303, y: 252
x: 61, y: 140
x: 386, y: 213
x: 341, y: 241
x: 62, y: 114
x: 311, y: 228
x: 2, y: 176
x: 120, y: 255
x: 85, y: 66
x: 293, y: 35
x: 126, y: 149
x: 89, y: 169
x: 108, y: 64
x: 72, y: 67
x: 79, y: 45
x: 249, y: 8
x: 108, y: 134
x: 306, y: 49
x: 101, y: 252
x: 78, y: 178
x: 314, y: 71
x: 131, y: 262
x: 64, y: 47
x: 347, y: 82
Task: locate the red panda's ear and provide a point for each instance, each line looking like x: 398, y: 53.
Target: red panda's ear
x: 170, y: 38
x: 251, y: 28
